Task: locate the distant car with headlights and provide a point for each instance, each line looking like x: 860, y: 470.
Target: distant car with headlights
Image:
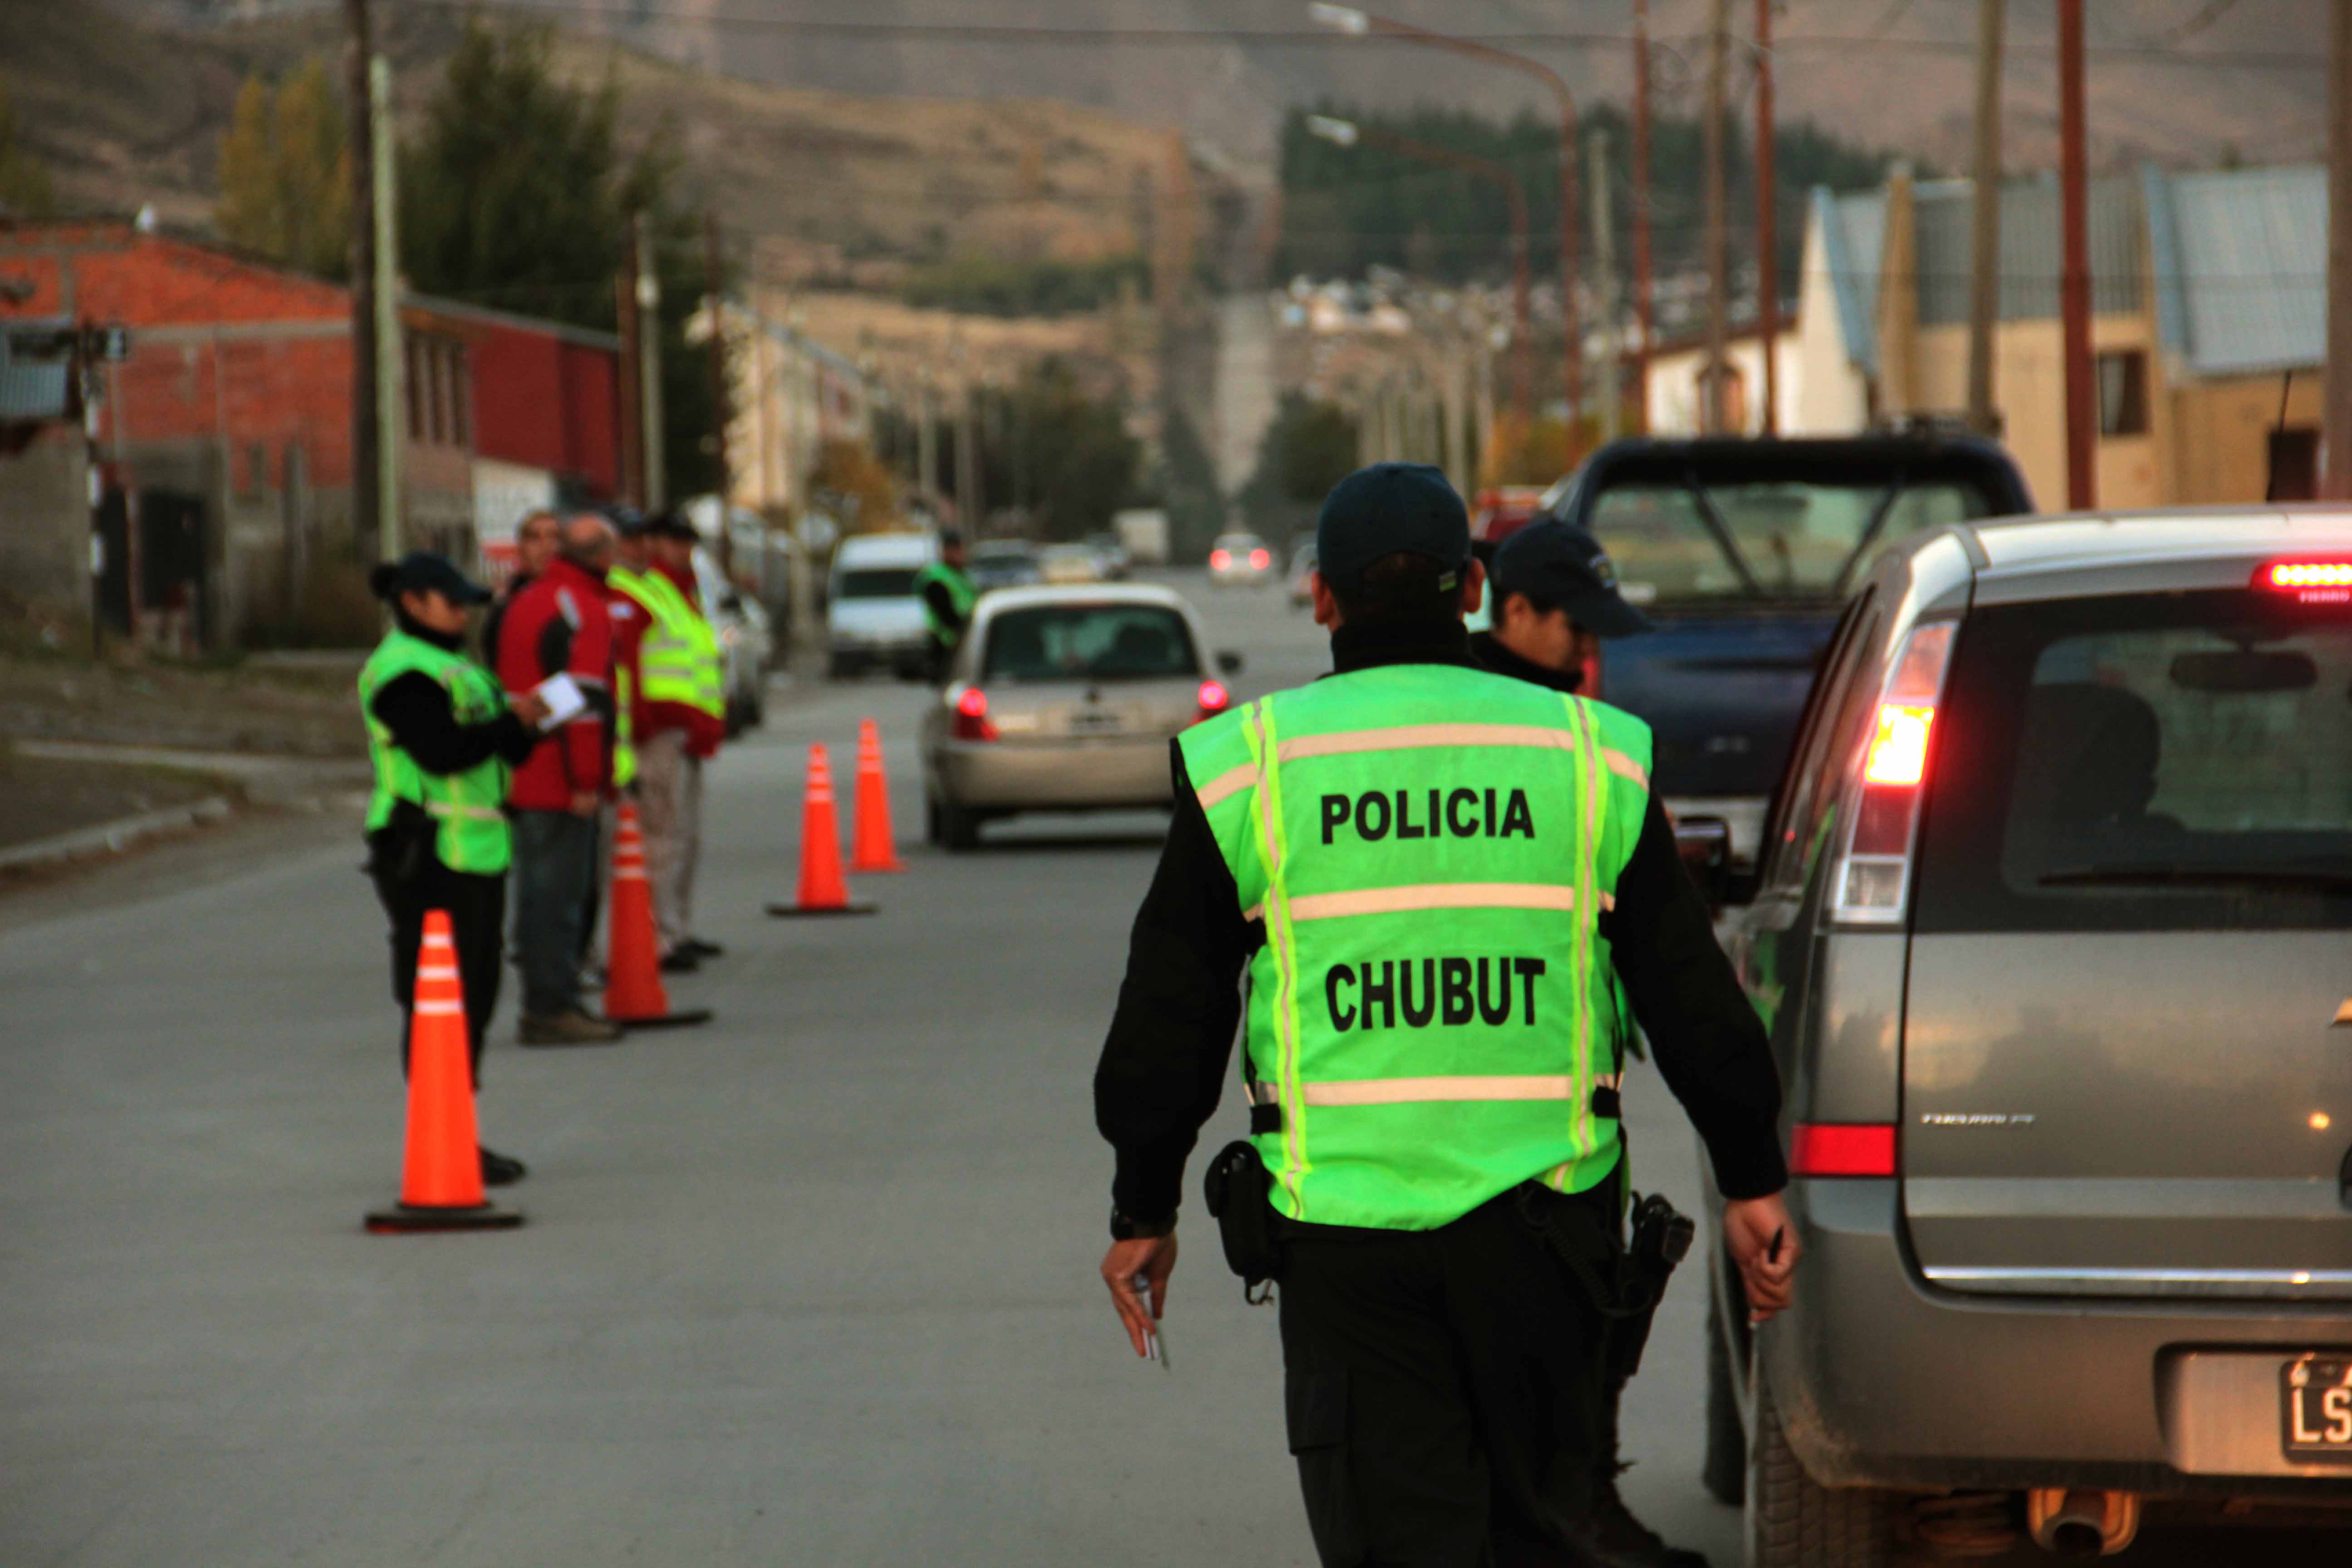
x: 746, y: 643
x: 1302, y: 574
x: 872, y: 614
x: 1240, y: 559
x: 1068, y: 563
x: 1111, y: 552
x: 2049, y: 935
x: 1064, y: 698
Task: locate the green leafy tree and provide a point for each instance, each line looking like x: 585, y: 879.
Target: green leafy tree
x: 284, y: 173
x: 25, y: 187
x: 515, y: 192
x: 1064, y: 452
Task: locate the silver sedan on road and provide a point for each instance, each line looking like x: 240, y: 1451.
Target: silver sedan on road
x: 1064, y: 698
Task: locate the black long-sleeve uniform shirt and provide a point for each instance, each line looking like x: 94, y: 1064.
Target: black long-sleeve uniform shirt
x: 1164, y: 1064
x: 416, y: 708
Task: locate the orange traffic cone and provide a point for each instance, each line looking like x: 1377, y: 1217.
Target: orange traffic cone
x: 441, y: 1176
x: 822, y: 891
x: 870, y: 849
x: 633, y: 992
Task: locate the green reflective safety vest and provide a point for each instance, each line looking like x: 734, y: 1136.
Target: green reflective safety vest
x: 622, y: 580
x: 960, y: 593
x: 678, y: 660
x: 468, y: 806
x: 1434, y: 1010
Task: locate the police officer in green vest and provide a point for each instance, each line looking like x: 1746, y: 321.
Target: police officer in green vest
x: 442, y: 736
x: 946, y: 590
x: 1447, y: 890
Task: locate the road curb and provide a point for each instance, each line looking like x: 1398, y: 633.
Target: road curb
x: 113, y: 838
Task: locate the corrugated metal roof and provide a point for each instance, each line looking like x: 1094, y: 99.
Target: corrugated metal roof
x: 2032, y: 248
x: 1853, y: 229
x: 2244, y: 256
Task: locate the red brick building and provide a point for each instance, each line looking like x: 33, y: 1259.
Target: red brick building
x: 227, y: 433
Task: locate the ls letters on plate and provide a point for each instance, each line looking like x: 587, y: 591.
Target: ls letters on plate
x: 2317, y: 1418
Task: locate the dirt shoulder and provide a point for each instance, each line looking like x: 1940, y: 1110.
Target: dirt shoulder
x: 44, y: 796
x: 298, y: 708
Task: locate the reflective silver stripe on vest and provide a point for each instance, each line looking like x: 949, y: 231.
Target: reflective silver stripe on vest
x: 1412, y: 737
x: 471, y: 813
x: 1431, y: 896
x: 1432, y: 1090
x: 1226, y: 785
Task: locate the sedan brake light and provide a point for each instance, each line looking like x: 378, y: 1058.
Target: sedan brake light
x: 1882, y: 823
x: 1214, y: 698
x: 1260, y: 560
x: 1220, y: 559
x: 971, y: 722
x: 1841, y: 1149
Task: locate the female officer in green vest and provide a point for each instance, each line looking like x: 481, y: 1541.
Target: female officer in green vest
x: 1439, y: 882
x: 442, y: 737
x: 946, y: 590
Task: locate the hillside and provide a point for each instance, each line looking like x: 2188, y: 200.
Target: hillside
x: 2179, y: 80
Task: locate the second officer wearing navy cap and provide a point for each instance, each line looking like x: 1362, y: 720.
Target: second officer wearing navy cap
x: 1555, y: 597
x: 1439, y: 883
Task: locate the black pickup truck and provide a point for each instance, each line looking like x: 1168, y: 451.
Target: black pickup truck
x: 1741, y: 552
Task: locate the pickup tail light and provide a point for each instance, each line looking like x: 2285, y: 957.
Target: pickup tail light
x: 1841, y: 1149
x: 2311, y: 582
x: 1213, y: 699
x: 1882, y: 822
x: 1220, y: 559
x: 970, y: 722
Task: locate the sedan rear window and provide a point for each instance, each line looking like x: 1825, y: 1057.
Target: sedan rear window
x: 2154, y: 761
x: 1088, y: 642
x: 878, y: 582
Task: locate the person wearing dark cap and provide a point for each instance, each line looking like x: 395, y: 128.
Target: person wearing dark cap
x: 443, y: 738
x: 1555, y: 597
x: 946, y: 588
x: 677, y: 718
x: 1439, y: 882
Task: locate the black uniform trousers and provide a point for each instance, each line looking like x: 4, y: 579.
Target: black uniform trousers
x: 1443, y: 1388
x: 477, y: 909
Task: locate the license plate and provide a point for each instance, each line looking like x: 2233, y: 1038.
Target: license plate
x: 1094, y: 722
x: 2316, y: 1395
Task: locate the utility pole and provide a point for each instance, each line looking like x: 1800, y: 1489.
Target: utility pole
x: 1604, y: 280
x: 1984, y: 235
x: 633, y: 427
x: 926, y: 442
x: 972, y: 507
x: 358, y: 50
x: 1711, y: 398
x: 649, y: 336
x: 2335, y: 413
x: 1767, y: 228
x: 2074, y: 280
x: 716, y: 308
x: 390, y: 404
x: 1644, y: 304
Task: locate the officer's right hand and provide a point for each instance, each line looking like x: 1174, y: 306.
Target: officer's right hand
x: 530, y: 707
x: 1750, y: 1225
x: 1152, y: 1257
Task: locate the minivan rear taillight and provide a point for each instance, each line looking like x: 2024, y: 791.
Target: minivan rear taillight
x: 1841, y: 1149
x: 1873, y: 878
x: 2311, y: 582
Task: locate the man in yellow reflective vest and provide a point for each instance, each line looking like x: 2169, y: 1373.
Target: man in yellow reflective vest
x: 676, y: 722
x: 1439, y: 883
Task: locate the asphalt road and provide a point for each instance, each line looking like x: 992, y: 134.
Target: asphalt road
x: 812, y: 1285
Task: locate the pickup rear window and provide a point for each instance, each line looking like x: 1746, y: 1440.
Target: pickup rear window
x: 1772, y: 538
x: 2143, y: 762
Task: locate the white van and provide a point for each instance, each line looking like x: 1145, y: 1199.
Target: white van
x: 874, y: 615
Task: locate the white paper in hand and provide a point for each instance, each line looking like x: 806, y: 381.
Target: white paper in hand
x: 564, y: 698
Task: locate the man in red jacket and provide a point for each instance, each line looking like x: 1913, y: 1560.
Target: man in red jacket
x: 560, y: 625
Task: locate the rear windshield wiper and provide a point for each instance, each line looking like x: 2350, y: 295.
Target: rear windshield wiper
x: 2160, y: 874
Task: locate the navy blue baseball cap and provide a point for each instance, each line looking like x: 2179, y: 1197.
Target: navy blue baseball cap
x: 1386, y: 509
x: 421, y: 571
x: 1558, y: 564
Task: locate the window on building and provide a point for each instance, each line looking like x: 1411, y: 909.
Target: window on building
x: 461, y: 405
x: 2123, y: 392
x: 413, y: 366
x: 257, y: 469
x: 2294, y: 464
x: 436, y: 391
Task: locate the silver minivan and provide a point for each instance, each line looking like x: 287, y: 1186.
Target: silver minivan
x: 2053, y: 933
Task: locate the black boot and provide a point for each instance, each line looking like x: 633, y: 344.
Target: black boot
x: 1614, y: 1538
x: 500, y: 1169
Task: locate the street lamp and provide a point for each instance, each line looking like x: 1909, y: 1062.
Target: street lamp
x: 1348, y: 133
x: 1357, y: 24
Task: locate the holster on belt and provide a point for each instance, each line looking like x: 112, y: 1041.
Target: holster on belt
x: 1236, y: 1187
x: 1625, y: 1281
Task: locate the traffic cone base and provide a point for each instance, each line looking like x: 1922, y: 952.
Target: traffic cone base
x: 402, y: 1218
x: 822, y: 891
x: 796, y: 911
x: 441, y: 1163
x: 634, y: 997
x: 870, y: 845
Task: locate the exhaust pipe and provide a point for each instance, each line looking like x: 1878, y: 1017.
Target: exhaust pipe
x: 2082, y: 1523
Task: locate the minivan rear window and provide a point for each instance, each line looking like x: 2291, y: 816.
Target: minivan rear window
x: 1088, y: 642
x: 2143, y: 762
x: 878, y: 582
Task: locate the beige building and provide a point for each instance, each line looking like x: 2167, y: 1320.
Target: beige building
x: 1675, y: 397
x: 791, y: 395
x: 2208, y: 317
